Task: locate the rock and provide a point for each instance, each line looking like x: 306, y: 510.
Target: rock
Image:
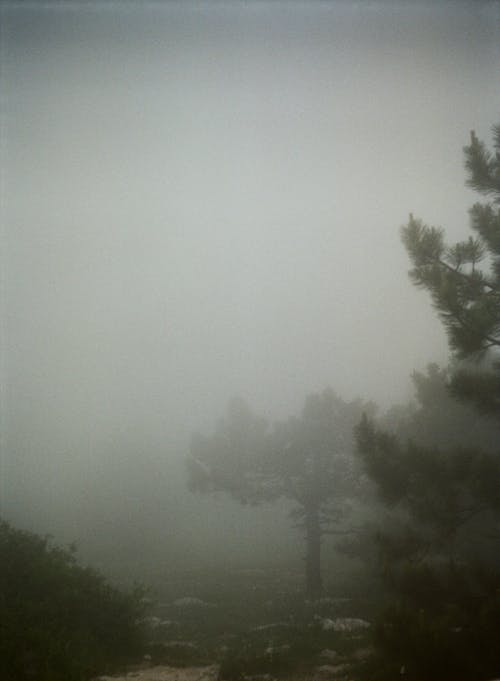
x: 332, y: 669
x: 328, y: 654
x: 179, y: 644
x: 274, y: 625
x: 150, y: 622
x: 345, y: 624
x: 191, y: 602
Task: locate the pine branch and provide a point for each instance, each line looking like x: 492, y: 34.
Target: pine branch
x: 466, y: 277
x: 492, y: 342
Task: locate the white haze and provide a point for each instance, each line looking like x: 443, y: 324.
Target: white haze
x: 202, y: 200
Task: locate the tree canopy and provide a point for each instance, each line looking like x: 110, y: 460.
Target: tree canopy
x: 437, y: 474
x: 306, y: 459
x: 464, y: 279
x: 438, y: 469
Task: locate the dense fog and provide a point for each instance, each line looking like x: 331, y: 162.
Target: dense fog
x: 201, y: 201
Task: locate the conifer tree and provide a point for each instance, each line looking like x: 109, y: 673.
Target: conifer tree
x: 306, y: 460
x: 443, y: 566
x: 464, y: 279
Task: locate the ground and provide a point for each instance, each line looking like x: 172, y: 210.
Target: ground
x: 165, y: 673
x: 252, y: 625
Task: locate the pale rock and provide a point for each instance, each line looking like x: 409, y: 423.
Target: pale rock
x: 191, y: 602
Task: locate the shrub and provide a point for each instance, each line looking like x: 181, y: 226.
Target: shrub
x: 445, y: 625
x: 59, y: 621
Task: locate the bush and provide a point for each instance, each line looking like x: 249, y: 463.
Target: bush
x: 445, y: 625
x: 59, y: 621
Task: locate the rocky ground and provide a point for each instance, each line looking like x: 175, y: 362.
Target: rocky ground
x: 267, y: 665
x: 251, y: 627
x: 165, y: 673
x: 340, y: 671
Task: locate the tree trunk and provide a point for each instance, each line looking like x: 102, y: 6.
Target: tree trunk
x: 314, y: 584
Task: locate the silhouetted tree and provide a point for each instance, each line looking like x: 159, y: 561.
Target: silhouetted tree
x: 466, y: 296
x: 443, y: 465
x: 307, y: 459
x: 438, y: 548
x: 449, y: 496
x: 441, y: 480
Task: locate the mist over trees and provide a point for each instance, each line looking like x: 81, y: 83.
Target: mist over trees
x: 307, y: 460
x: 201, y: 199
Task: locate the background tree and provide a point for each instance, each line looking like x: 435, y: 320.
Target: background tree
x: 307, y: 460
x: 466, y: 296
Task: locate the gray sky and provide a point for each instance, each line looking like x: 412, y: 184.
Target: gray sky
x: 202, y: 200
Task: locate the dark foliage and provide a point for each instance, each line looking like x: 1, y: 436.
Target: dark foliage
x: 59, y: 621
x: 443, y: 626
x: 439, y: 470
x: 438, y: 550
x: 467, y: 296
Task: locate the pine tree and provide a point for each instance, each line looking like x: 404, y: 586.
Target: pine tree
x: 443, y: 565
x: 306, y: 460
x: 465, y: 294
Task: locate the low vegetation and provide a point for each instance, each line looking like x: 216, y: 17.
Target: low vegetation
x: 260, y: 624
x: 59, y: 621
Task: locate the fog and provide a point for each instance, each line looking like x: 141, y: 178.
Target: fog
x: 203, y: 200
